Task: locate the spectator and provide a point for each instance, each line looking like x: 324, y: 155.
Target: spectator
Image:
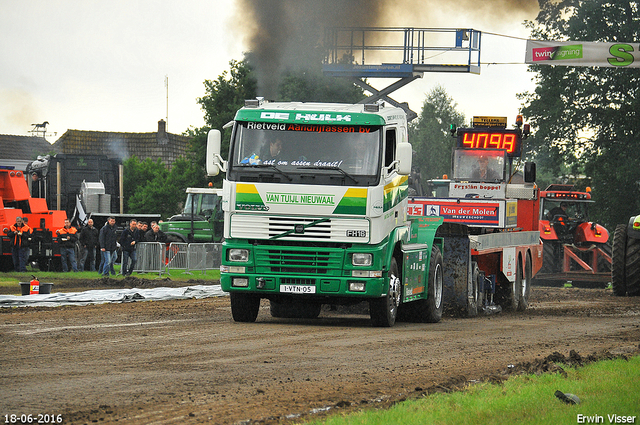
x: 155, y: 234
x: 20, y: 235
x: 108, y: 244
x: 67, y: 237
x: 128, y: 240
x: 89, y: 241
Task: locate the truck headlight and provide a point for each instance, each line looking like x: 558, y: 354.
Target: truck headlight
x: 238, y: 255
x: 357, y: 286
x: 242, y: 282
x: 361, y: 259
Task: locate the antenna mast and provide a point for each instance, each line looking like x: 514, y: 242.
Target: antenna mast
x: 166, y: 84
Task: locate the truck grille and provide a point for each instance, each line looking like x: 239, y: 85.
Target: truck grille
x: 254, y: 226
x: 296, y: 260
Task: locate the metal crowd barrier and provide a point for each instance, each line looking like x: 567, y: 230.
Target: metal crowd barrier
x: 150, y: 257
x: 156, y: 257
x: 214, y: 256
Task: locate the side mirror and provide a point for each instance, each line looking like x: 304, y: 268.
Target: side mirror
x: 404, y: 155
x: 529, y: 172
x: 213, y: 160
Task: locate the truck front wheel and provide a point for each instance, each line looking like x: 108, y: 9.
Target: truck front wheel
x: 383, y: 311
x: 244, y: 307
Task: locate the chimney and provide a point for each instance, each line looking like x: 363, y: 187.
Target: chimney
x: 162, y: 128
x: 162, y: 137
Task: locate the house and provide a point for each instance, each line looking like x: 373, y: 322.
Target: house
x: 19, y: 151
x: 166, y: 146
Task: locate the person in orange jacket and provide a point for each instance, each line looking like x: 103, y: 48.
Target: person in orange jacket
x: 67, y: 237
x: 20, y: 234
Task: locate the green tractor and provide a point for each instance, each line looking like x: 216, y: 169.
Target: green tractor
x: 201, y: 221
x: 625, y: 266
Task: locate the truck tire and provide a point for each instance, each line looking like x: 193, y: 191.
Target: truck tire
x: 523, y: 303
x: 384, y: 311
x: 618, y: 259
x: 244, y: 307
x: 632, y: 267
x: 434, y: 301
x: 294, y: 310
x: 509, y: 292
x: 473, y: 297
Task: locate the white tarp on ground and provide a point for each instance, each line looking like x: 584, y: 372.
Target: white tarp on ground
x: 111, y: 296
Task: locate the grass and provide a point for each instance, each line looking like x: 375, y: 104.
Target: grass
x: 605, y: 388
x: 12, y: 279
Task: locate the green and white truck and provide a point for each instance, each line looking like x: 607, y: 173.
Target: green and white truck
x: 315, y: 212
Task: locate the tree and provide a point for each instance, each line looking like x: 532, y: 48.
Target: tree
x: 586, y: 118
x: 163, y: 190
x: 430, y: 137
x: 223, y: 97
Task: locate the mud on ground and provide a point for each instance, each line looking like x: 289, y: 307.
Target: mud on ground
x: 188, y: 362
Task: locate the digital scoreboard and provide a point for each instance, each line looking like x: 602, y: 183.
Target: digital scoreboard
x: 491, y: 138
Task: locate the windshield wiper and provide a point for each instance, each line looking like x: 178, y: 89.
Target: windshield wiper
x: 273, y: 167
x: 344, y: 173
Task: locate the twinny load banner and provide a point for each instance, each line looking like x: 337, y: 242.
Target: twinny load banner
x: 583, y: 53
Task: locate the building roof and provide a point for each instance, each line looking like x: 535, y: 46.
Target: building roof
x: 166, y: 146
x: 24, y: 147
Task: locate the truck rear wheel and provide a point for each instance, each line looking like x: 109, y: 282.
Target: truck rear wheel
x: 618, y: 260
x: 473, y: 298
x: 632, y: 267
x: 244, y: 307
x: 525, y: 286
x: 383, y: 311
x: 509, y: 292
x: 433, y: 311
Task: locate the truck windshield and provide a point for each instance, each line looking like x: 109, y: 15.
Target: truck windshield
x: 203, y: 203
x: 306, y: 153
x: 479, y: 165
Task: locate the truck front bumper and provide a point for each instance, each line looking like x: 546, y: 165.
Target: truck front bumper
x: 306, y: 286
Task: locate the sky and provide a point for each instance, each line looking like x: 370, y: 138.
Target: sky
x: 96, y: 65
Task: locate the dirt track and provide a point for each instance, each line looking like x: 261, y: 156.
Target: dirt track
x: 187, y: 361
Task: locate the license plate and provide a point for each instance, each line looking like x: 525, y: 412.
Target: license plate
x: 298, y: 289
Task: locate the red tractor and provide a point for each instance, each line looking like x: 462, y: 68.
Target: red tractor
x: 575, y: 249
